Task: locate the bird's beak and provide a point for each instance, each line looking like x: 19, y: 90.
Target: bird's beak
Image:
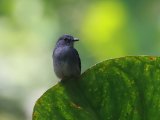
x: 76, y: 39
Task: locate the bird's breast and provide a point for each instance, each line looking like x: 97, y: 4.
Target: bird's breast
x: 61, y: 52
x: 66, y: 62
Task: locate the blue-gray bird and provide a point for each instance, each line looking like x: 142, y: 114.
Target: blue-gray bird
x: 66, y: 61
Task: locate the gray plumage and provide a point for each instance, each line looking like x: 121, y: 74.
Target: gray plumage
x: 66, y: 59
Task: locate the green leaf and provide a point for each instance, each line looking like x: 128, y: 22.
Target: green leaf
x: 126, y: 88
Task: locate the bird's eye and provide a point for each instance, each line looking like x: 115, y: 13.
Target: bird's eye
x: 66, y: 39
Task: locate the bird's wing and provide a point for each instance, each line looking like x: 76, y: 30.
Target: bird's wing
x: 78, y: 58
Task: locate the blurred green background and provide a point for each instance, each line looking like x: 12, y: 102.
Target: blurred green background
x: 30, y: 28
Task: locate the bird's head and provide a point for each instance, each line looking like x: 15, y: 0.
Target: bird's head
x: 66, y: 40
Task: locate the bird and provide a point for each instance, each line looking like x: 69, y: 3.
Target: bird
x: 66, y: 60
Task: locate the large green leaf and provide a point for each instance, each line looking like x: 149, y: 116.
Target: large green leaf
x: 126, y: 88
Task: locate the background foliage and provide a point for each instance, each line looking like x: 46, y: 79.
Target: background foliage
x: 30, y: 28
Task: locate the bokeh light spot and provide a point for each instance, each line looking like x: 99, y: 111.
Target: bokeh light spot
x: 102, y: 22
